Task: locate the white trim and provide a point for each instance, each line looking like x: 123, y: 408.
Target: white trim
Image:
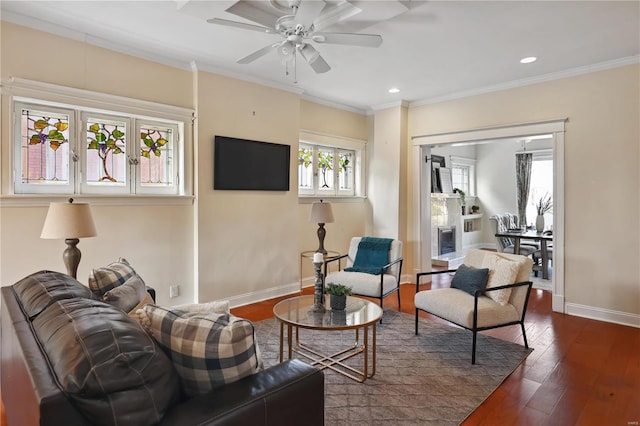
x: 555, y: 127
x: 32, y: 200
x: 332, y: 104
x: 259, y: 296
x: 325, y: 139
x: 601, y: 314
x: 394, y: 104
x: 37, y: 92
x: 492, y: 133
x: 616, y: 63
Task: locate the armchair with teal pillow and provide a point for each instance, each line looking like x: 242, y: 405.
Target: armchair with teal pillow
x: 373, y: 267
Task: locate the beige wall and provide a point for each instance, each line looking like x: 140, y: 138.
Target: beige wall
x: 145, y: 235
x: 602, y: 227
x: 351, y: 218
x: 239, y: 245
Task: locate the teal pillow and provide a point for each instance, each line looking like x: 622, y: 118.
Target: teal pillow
x: 469, y: 279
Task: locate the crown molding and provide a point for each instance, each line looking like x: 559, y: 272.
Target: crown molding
x: 394, y: 104
x: 601, y: 66
x: 332, y: 104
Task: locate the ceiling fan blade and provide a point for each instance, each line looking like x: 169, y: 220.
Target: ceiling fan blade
x: 313, y: 58
x: 364, y: 40
x: 248, y: 10
x: 308, y: 11
x: 242, y: 25
x: 258, y: 54
x: 320, y: 65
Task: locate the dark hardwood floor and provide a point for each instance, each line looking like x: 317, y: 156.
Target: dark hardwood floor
x: 581, y: 372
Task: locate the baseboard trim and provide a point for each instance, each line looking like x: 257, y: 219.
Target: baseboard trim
x: 259, y: 296
x: 601, y: 314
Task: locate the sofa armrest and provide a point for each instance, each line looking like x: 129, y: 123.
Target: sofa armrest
x: 288, y: 393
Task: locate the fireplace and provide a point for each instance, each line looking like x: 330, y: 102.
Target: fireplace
x: 446, y: 239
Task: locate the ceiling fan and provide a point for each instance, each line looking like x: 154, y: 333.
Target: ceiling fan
x: 298, y: 31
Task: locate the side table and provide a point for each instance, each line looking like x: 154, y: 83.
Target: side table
x: 308, y: 256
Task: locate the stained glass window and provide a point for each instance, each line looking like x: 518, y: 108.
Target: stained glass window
x: 324, y: 170
x: 305, y: 168
x: 66, y: 149
x: 157, y: 145
x: 345, y: 171
x: 44, y: 147
x: 106, y: 152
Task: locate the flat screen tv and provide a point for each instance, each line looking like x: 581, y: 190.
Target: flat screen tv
x: 241, y: 164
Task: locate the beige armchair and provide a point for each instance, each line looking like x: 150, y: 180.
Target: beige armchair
x: 380, y: 285
x: 503, y: 303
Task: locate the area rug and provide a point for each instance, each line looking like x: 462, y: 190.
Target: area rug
x: 426, y: 379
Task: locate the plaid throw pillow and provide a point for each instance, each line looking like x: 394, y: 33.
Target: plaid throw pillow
x: 208, y: 350
x: 106, y: 278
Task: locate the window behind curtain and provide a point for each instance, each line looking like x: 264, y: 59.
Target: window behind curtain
x: 541, y: 184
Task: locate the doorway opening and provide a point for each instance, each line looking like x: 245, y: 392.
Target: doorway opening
x: 423, y: 146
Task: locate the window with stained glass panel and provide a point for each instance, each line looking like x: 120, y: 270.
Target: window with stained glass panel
x: 325, y: 169
x: 345, y: 171
x: 44, y: 155
x: 305, y: 169
x: 157, y: 155
x: 106, y: 163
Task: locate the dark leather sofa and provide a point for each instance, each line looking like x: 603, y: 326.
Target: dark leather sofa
x: 289, y: 393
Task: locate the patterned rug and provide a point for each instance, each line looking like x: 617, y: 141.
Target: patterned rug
x: 420, y: 380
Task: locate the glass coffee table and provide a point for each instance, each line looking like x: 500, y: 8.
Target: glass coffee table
x: 296, y: 313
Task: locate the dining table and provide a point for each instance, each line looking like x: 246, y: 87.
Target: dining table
x: 544, y: 238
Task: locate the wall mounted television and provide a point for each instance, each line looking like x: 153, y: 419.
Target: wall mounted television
x: 241, y: 164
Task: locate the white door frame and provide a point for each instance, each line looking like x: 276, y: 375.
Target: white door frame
x: 422, y: 184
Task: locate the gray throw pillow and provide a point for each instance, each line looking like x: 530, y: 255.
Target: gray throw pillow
x: 128, y: 295
x: 470, y: 279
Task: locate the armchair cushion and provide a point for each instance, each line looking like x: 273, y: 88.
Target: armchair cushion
x: 470, y: 279
x: 456, y: 306
x: 363, y: 283
x: 372, y: 255
x: 502, y: 271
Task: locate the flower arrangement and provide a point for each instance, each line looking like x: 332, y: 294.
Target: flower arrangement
x: 338, y: 290
x: 544, y: 204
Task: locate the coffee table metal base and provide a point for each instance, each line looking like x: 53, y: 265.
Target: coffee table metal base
x: 334, y: 361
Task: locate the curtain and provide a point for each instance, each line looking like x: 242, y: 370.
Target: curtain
x: 523, y: 180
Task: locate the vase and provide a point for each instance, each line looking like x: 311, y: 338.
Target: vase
x: 338, y: 303
x: 464, y: 210
x: 540, y: 223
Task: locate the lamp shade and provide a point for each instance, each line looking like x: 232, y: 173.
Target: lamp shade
x: 321, y: 213
x: 68, y: 220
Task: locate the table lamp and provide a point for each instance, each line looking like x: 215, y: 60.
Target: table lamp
x: 321, y: 213
x: 69, y: 221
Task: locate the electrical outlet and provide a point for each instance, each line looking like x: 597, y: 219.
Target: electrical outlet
x: 174, y: 291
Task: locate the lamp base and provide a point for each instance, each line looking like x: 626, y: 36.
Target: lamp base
x: 71, y: 256
x: 321, y: 233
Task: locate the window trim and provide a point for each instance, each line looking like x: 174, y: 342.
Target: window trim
x: 470, y: 164
x: 319, y: 139
x: 33, y: 92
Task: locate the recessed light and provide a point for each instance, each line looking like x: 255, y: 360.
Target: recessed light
x: 394, y: 90
x: 528, y: 60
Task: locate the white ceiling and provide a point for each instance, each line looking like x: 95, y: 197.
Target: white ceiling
x: 431, y: 50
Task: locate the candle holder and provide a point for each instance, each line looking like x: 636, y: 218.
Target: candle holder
x: 318, y: 293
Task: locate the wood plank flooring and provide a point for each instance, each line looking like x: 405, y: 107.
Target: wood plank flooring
x: 581, y: 372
